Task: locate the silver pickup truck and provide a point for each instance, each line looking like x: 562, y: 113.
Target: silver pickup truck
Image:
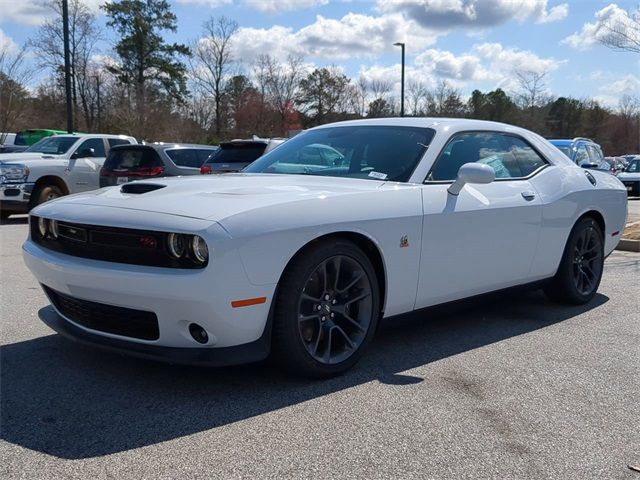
x: 54, y: 166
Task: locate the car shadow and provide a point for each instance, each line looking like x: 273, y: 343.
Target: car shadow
x: 73, y: 402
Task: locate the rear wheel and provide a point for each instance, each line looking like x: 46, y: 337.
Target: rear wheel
x: 580, y: 270
x: 326, y: 311
x: 45, y: 193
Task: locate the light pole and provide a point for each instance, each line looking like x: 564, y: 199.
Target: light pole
x: 67, y: 66
x: 401, y: 45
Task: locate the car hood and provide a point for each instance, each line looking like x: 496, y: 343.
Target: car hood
x: 629, y: 176
x: 215, y: 197
x: 25, y: 157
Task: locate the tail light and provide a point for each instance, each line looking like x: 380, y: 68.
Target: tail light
x: 206, y: 169
x: 134, y: 172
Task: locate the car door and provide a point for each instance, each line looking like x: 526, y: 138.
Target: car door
x: 186, y: 161
x: 83, y: 170
x: 485, y: 238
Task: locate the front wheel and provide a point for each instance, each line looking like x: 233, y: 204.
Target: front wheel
x: 581, y: 267
x: 327, y: 310
x: 44, y: 194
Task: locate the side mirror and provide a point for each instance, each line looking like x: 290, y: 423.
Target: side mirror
x: 588, y: 164
x: 84, y: 153
x: 472, y: 173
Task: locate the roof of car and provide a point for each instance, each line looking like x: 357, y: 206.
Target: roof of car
x: 80, y: 135
x: 167, y: 145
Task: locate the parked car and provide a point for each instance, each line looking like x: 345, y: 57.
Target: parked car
x: 136, y: 162
x: 53, y: 167
x: 223, y: 269
x: 582, y: 151
x: 12, y: 148
x: 235, y: 155
x: 614, y: 165
x: 631, y: 177
x: 34, y: 135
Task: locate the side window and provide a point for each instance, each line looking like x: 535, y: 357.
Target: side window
x: 528, y: 159
x: 594, y: 154
x: 113, y: 142
x: 492, y: 149
x: 184, y: 157
x: 203, y: 154
x: 96, y: 144
x: 581, y: 155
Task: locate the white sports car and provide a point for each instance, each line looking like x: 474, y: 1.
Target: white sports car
x: 300, y: 257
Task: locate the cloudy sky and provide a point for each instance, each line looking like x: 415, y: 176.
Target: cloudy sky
x: 470, y: 43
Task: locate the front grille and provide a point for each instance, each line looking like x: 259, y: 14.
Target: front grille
x: 126, y: 322
x: 111, y: 244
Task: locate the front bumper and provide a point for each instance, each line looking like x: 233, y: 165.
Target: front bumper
x: 177, y: 297
x: 209, y: 357
x: 14, y: 197
x: 632, y: 186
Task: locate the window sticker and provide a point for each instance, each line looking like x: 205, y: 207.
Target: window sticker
x: 378, y: 175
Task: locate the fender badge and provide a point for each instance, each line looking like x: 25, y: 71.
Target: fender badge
x: 404, y: 241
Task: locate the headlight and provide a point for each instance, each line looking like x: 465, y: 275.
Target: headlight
x: 177, y: 244
x: 199, y: 249
x: 13, y: 173
x: 53, y: 228
x: 42, y: 226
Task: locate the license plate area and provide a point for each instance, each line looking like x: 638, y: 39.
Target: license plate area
x: 121, y: 180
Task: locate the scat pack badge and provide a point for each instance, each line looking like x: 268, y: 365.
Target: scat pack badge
x: 404, y: 241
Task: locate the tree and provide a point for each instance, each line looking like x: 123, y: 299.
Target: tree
x: 213, y: 60
x: 416, y: 96
x: 243, y: 103
x: 145, y: 61
x: 13, y: 95
x: 621, y: 32
x: 48, y: 46
x: 380, y: 108
x: 563, y: 119
x: 282, y: 82
x: 322, y: 93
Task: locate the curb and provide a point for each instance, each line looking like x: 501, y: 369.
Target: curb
x: 629, y: 245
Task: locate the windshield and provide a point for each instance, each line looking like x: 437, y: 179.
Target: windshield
x: 564, y: 149
x: 634, y: 166
x: 367, y: 152
x: 52, y: 145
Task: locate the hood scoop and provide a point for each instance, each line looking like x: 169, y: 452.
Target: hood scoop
x: 140, y: 188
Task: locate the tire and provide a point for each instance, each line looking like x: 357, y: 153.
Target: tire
x: 323, y: 325
x: 44, y: 193
x: 580, y: 271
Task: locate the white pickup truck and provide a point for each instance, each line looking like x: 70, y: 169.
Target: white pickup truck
x: 54, y: 166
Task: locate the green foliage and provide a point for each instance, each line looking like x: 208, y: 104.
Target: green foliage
x: 322, y: 93
x: 144, y: 55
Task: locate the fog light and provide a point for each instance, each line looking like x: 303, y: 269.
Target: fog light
x: 198, y: 333
x: 199, y: 249
x: 42, y: 226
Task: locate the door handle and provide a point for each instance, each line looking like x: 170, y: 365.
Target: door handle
x: 528, y: 195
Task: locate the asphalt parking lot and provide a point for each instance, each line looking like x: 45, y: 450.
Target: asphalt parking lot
x: 508, y: 386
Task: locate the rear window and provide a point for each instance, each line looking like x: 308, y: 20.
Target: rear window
x: 20, y: 139
x: 114, y: 142
x: 237, y: 153
x: 132, y: 158
x: 188, y: 157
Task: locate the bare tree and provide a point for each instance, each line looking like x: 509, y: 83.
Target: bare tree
x: 213, y: 60
x: 283, y: 81
x: 260, y: 73
x: 621, y: 33
x: 357, y: 96
x: 48, y: 47
x: 416, y: 95
x: 380, y: 88
x: 13, y: 75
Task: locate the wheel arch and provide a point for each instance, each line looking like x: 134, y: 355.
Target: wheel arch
x: 597, y: 216
x: 370, y: 248
x: 52, y: 180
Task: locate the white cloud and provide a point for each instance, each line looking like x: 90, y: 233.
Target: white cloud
x: 557, y: 13
x: 7, y: 44
x: 485, y: 62
x: 207, y: 3
x: 448, y: 14
x: 278, y: 6
x: 592, y: 33
x: 352, y: 36
x: 33, y: 12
